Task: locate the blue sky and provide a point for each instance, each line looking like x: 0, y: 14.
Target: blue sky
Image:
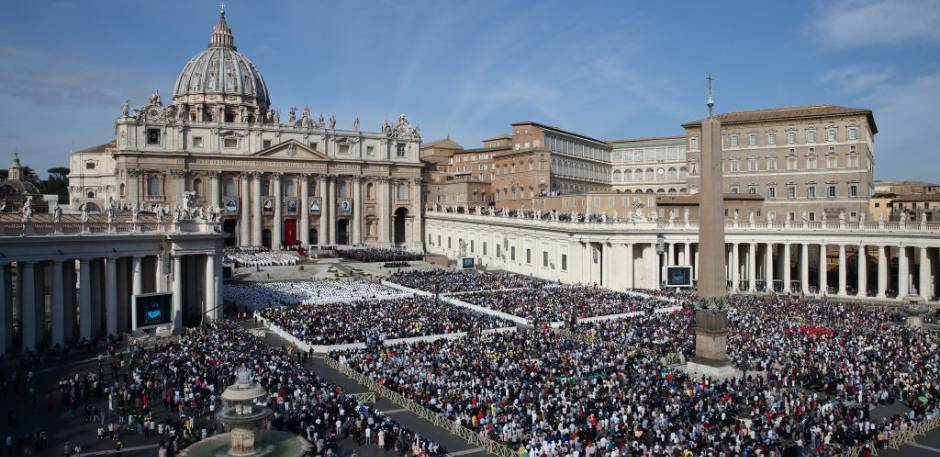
x: 468, y: 69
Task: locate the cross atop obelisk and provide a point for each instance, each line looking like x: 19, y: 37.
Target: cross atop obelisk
x: 711, y: 99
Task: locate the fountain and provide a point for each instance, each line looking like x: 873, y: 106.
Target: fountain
x: 242, y: 416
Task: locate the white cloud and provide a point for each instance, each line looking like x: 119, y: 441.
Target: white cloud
x: 851, y: 23
x: 857, y: 78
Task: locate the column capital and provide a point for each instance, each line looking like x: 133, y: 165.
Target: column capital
x: 177, y: 172
x: 135, y: 172
x: 213, y: 173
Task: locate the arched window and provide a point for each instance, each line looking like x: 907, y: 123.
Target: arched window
x: 628, y: 175
x: 683, y: 173
x: 153, y: 186
x: 122, y: 189
x: 197, y: 186
x: 370, y: 191
x: 91, y: 194
x: 618, y: 177
x: 402, y: 192
x: 672, y: 174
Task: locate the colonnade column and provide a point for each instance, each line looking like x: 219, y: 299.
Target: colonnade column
x: 84, y: 299
x: 215, y: 189
x: 923, y: 285
x: 804, y: 268
x: 110, y: 297
x: 842, y: 281
x: 786, y: 267
x: 357, y: 211
x: 332, y: 204
x: 418, y: 225
x: 323, y: 236
x: 823, y: 280
x: 903, y: 276
x: 735, y: 271
x: 671, y: 259
x: 304, y: 210
x: 58, y: 305
x: 210, y: 312
x: 256, y: 209
x: 177, y: 309
x: 752, y: 267
x: 26, y: 288
x: 137, y: 287
x: 769, y: 268
x: 862, y: 271
x: 276, y: 224
x: 629, y: 263
x: 687, y: 252
x: 6, y: 309
x: 244, y: 223
x: 882, y: 272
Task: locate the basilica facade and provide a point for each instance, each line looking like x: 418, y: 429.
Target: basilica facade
x: 279, y: 181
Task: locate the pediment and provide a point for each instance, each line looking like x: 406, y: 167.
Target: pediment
x: 291, y: 149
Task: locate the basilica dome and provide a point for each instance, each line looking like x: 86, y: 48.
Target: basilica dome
x: 221, y: 74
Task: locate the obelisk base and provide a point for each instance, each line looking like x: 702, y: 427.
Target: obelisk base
x: 711, y: 346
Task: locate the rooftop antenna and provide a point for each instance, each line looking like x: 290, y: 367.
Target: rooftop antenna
x: 711, y: 99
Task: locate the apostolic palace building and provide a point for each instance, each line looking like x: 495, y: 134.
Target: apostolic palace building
x: 279, y: 180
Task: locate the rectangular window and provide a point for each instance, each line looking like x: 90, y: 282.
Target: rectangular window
x: 153, y: 136
x: 853, y: 190
x: 812, y: 216
x: 831, y: 191
x: 230, y: 142
x: 752, y: 139
x: 313, y: 145
x: 853, y: 133
x: 811, y: 136
x: 197, y: 141
x: 528, y: 256
x: 400, y: 149
x: 344, y: 149
x: 564, y: 262
x: 693, y: 143
x: 545, y: 259
x: 370, y: 150
x: 791, y: 137
x: 512, y: 253
x: 771, y: 138
x: 448, y: 242
x: 471, y: 247
x: 771, y: 192
x: 772, y: 163
x: 811, y: 192
x: 734, y: 189
x: 751, y: 164
x: 752, y: 190
x: 430, y: 240
x: 831, y: 135
x: 266, y: 144
x: 791, y: 192
x: 438, y: 240
x: 734, y: 141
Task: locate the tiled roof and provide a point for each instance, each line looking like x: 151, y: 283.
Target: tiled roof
x: 445, y: 143
x: 788, y: 113
x: 100, y: 148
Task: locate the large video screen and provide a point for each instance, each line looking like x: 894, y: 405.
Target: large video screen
x: 468, y: 262
x: 679, y: 276
x: 153, y: 309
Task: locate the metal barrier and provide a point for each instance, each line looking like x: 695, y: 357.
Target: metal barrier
x: 367, y: 397
x: 438, y: 419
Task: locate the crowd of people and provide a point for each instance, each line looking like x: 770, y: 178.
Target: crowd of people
x: 561, y: 303
x: 260, y: 258
x: 372, y: 322
x: 171, y: 393
x: 444, y: 281
x: 369, y: 254
x: 257, y: 295
x: 813, y: 373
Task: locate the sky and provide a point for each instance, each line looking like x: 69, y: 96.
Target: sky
x: 468, y: 69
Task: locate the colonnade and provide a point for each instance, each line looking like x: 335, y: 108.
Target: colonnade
x: 50, y: 303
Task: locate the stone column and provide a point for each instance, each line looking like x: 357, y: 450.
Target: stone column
x: 177, y: 310
x: 58, y: 304
x: 244, y: 222
x: 30, y: 313
x: 68, y: 281
x: 323, y: 237
x: 823, y: 279
x: 84, y: 299
x: 769, y: 267
x: 215, y: 189
x: 882, y: 272
x: 786, y: 267
x: 332, y: 203
x: 629, y: 264
x: 417, y: 226
x: 218, y: 287
x: 804, y: 267
x: 752, y: 267
x: 842, y: 276
x: 110, y: 297
x: 923, y: 286
x: 160, y: 280
x: 357, y: 211
x: 383, y: 187
x: 671, y: 252
x: 210, y: 312
x: 276, y: 222
x: 904, y: 280
x: 862, y: 271
x: 687, y: 253
x: 657, y: 266
x: 304, y: 210
x: 735, y: 269
x: 6, y: 309
x: 137, y: 287
x: 256, y: 223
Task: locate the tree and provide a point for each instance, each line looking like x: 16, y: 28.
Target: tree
x: 58, y: 183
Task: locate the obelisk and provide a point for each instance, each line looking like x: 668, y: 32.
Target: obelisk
x: 711, y: 317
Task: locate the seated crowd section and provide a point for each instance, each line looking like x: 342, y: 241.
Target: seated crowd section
x: 376, y: 321
x: 449, y: 282
x: 369, y: 254
x: 260, y: 258
x: 257, y: 295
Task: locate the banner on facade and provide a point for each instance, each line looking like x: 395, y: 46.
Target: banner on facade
x: 292, y: 206
x: 231, y: 205
x: 315, y: 206
x: 345, y: 207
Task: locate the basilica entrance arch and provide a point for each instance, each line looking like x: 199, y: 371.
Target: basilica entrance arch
x: 342, y: 231
x: 229, y: 226
x: 400, y: 215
